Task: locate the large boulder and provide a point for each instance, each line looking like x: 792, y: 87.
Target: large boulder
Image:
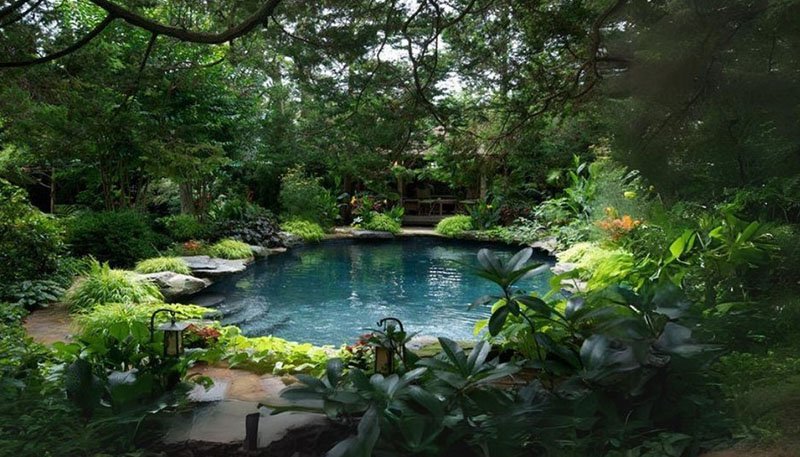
x: 290, y: 240
x: 175, y: 285
x: 205, y: 266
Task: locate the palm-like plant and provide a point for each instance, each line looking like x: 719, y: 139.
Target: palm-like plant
x: 513, y: 301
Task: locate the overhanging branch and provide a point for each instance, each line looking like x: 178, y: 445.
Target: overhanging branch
x: 68, y: 50
x: 261, y: 16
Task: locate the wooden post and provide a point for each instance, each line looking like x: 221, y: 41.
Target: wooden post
x: 251, y: 431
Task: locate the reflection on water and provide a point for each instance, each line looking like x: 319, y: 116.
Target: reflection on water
x: 329, y: 293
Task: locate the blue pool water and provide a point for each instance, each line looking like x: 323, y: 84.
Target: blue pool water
x: 329, y: 293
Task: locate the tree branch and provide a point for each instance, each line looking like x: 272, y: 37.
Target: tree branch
x: 5, y: 11
x: 68, y: 50
x: 261, y: 16
x: 21, y: 15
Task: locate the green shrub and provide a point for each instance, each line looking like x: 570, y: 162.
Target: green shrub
x: 307, y: 230
x: 105, y: 285
x: 128, y: 324
x: 32, y: 294
x: 117, y: 237
x: 230, y: 249
x: 304, y: 197
x: 184, y: 227
x: 30, y: 242
x: 454, y: 225
x: 382, y: 223
x: 602, y: 266
x: 159, y: 264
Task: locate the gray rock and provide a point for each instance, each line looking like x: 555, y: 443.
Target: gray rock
x: 174, y: 285
x: 549, y: 245
x: 563, y: 267
x: 203, y: 265
x: 259, y: 251
x: 208, y: 300
x: 290, y: 240
x: 419, y: 341
x: 370, y: 234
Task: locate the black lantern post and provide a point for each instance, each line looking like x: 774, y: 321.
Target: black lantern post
x: 386, y: 350
x: 173, y: 332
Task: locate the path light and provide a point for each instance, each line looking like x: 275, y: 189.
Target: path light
x: 173, y: 332
x: 387, y: 347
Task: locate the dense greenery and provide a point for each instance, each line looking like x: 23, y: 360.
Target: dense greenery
x: 652, y: 146
x: 158, y: 264
x: 454, y: 225
x: 308, y: 231
x: 103, y: 284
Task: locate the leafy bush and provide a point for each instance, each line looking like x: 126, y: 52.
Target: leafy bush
x: 184, y: 227
x: 454, y: 225
x: 159, y: 264
x: 105, y: 285
x: 117, y: 237
x: 30, y: 242
x: 304, y: 197
x: 118, y: 332
x: 485, y: 214
x: 230, y: 249
x: 382, y: 223
x: 269, y: 354
x: 308, y: 231
x: 431, y: 409
x: 33, y: 294
x: 600, y: 265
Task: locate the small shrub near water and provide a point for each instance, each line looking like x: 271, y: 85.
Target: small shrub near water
x: 382, y: 223
x: 118, y: 237
x: 159, y: 264
x: 106, y: 285
x: 454, y: 225
x: 307, y: 230
x: 184, y: 227
x: 230, y: 249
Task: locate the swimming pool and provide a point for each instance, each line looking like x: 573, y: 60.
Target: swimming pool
x: 331, y: 292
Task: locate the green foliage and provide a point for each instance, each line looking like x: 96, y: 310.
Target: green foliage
x: 230, y: 249
x: 426, y: 410
x: 454, y: 225
x: 381, y: 222
x: 159, y: 264
x: 269, y: 354
x: 118, y: 334
x: 632, y: 353
x: 602, y: 266
x: 184, y: 227
x: 761, y: 392
x: 34, y: 294
x: 304, y: 197
x: 308, y: 231
x: 485, y: 214
x: 104, y: 285
x: 118, y: 237
x: 30, y: 242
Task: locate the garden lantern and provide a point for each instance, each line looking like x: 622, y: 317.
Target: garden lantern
x: 173, y: 332
x: 388, y: 347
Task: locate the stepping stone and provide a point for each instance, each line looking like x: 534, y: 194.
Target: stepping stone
x: 217, y: 392
x: 203, y: 265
